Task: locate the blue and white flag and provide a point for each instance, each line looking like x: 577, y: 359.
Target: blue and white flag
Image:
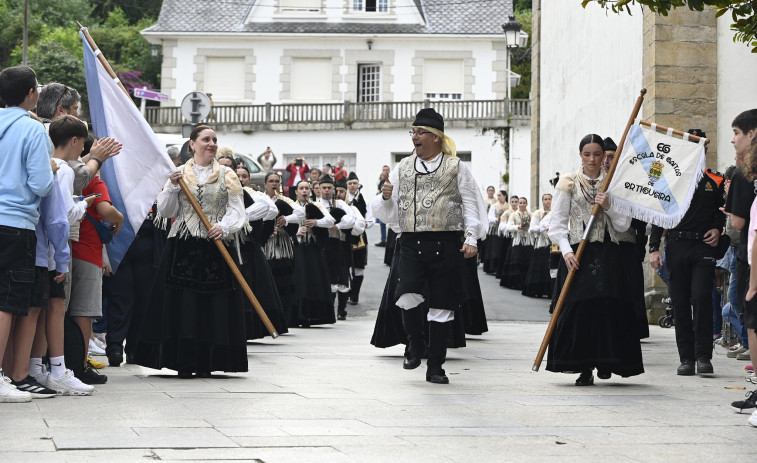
x: 136, y: 176
x: 656, y: 176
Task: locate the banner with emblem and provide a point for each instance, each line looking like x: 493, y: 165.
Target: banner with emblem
x: 656, y: 175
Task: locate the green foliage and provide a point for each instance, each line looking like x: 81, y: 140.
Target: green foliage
x: 55, y: 48
x: 743, y: 12
x: 521, y: 58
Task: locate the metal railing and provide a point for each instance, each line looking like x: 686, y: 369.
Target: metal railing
x: 347, y: 112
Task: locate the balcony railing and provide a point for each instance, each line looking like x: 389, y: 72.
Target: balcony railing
x: 348, y: 113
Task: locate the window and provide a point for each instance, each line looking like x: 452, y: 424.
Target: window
x: 319, y: 160
x: 368, y: 83
x: 224, y: 78
x: 300, y: 5
x: 443, y: 79
x: 369, y: 6
x: 311, y: 79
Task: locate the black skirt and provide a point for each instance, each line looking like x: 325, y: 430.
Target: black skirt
x: 538, y: 281
x: 258, y: 275
x: 516, y: 266
x: 506, y: 244
x: 473, y: 310
x: 391, y: 239
x: 195, y: 319
x: 597, y: 326
x: 339, y: 266
x: 635, y: 287
x: 314, y: 304
x: 281, y: 263
x: 491, y: 253
x: 389, y: 331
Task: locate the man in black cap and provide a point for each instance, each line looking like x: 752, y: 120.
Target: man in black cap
x: 442, y: 215
x: 359, y: 246
x: 610, y: 149
x: 691, y: 251
x: 339, y: 245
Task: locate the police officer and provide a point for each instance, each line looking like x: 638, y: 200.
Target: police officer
x: 690, y: 254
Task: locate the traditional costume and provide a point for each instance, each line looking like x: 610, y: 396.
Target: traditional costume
x: 195, y: 320
x: 278, y: 249
x: 438, y: 207
x: 538, y: 282
x: 519, y: 257
x: 493, y: 238
x: 595, y: 328
x: 360, y: 241
x: 314, y: 303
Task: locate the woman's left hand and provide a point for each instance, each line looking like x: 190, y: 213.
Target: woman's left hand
x: 603, y: 200
x: 215, y: 233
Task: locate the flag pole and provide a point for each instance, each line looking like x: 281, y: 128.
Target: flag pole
x: 195, y: 205
x: 582, y: 245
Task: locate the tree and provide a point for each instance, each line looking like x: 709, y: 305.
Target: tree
x: 743, y: 12
x: 521, y: 59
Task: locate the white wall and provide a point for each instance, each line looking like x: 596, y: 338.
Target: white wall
x: 268, y: 69
x: 591, y: 74
x: 520, y: 164
x: 374, y: 148
x: 737, y: 87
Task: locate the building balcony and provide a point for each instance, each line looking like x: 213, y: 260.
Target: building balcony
x: 336, y: 116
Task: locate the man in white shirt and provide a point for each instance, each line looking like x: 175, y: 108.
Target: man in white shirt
x: 442, y: 216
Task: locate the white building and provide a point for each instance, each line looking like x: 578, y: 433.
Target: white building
x: 329, y: 79
x: 590, y: 64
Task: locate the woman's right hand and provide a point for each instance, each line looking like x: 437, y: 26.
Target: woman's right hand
x: 570, y: 261
x: 175, y: 177
x: 310, y: 223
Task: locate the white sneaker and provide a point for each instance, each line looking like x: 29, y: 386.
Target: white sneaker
x: 41, y: 378
x: 9, y: 393
x: 94, y: 349
x: 100, y: 342
x: 101, y: 338
x: 753, y: 419
x: 68, y: 384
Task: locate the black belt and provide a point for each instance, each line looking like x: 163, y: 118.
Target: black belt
x: 685, y: 235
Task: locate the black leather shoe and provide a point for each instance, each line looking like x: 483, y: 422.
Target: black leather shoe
x: 203, y: 374
x: 586, y: 378
x: 686, y: 368
x: 438, y: 377
x: 130, y: 359
x: 341, y: 316
x: 185, y: 374
x: 411, y: 362
x: 115, y: 359
x: 603, y: 374
x: 704, y: 367
x: 351, y: 302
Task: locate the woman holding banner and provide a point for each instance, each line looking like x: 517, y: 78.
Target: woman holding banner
x: 195, y: 320
x: 596, y: 325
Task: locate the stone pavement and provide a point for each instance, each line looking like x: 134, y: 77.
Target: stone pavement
x: 325, y: 394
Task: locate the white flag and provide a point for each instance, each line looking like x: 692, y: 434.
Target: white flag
x: 656, y: 176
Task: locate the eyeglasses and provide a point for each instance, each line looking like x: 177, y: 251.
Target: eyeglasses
x: 419, y: 133
x: 65, y: 89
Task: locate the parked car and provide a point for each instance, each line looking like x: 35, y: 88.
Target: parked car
x: 257, y: 174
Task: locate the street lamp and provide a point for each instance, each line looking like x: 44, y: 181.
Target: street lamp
x: 512, y: 30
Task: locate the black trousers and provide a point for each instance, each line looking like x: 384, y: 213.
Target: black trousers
x: 128, y: 294
x: 691, y: 270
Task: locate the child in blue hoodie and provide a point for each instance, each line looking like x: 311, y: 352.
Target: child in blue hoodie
x: 27, y: 177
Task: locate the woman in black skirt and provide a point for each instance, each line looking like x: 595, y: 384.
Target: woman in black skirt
x: 493, y: 240
x: 516, y: 268
x: 596, y: 328
x: 313, y: 293
x: 195, y: 320
x: 507, y: 237
x: 538, y: 280
x: 279, y: 250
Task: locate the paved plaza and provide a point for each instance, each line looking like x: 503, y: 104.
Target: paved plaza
x: 325, y: 394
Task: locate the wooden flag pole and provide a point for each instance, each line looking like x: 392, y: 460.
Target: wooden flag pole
x: 582, y: 245
x: 196, y: 206
x: 662, y: 128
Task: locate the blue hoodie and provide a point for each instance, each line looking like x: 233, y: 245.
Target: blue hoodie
x: 25, y: 173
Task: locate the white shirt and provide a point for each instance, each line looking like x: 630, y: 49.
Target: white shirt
x: 558, y: 228
x: 232, y: 221
x: 348, y: 221
x: 474, y: 208
x: 75, y: 211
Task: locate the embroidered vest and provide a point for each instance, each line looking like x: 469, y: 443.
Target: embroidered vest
x: 430, y: 201
x: 521, y: 237
x: 541, y: 239
x: 212, y: 197
x: 580, y: 212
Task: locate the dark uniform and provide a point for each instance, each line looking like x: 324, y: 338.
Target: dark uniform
x: 691, y: 270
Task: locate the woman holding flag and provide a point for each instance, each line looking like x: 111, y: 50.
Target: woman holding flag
x: 195, y: 320
x: 596, y: 326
